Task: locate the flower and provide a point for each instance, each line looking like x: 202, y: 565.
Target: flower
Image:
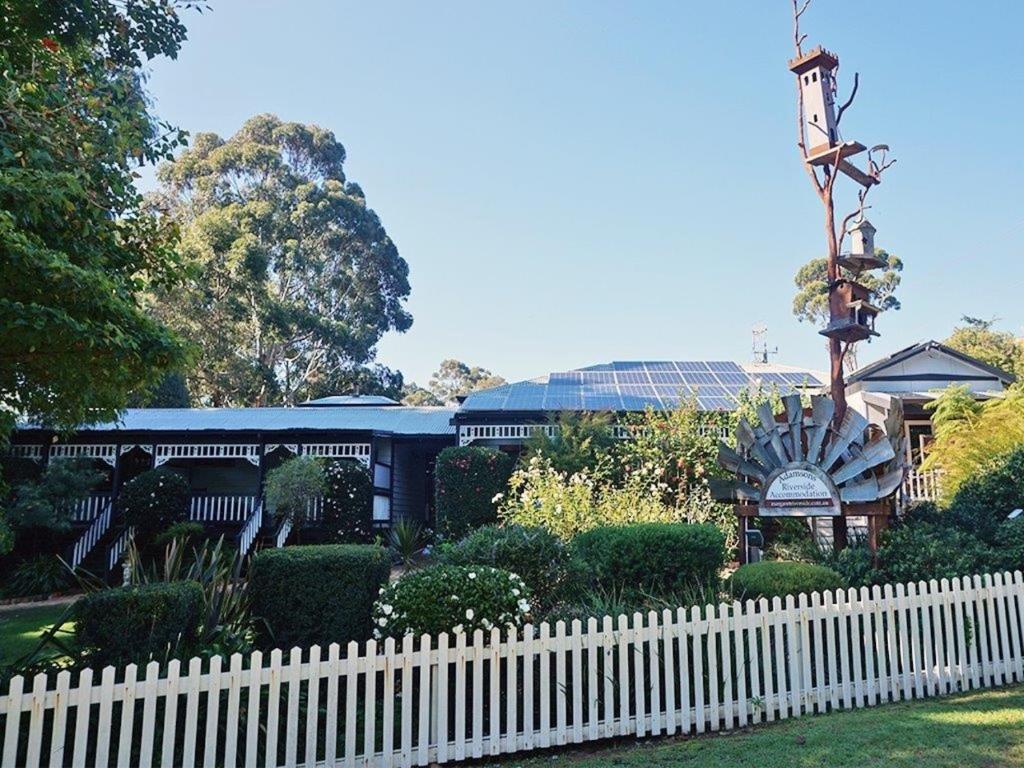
x: 470, y: 614
x: 387, y: 609
x: 472, y: 574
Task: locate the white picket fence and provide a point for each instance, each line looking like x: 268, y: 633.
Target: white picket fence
x: 455, y: 698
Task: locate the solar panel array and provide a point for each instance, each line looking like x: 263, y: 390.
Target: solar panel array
x: 633, y: 386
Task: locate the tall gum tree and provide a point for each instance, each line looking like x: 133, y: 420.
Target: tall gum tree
x: 294, y: 278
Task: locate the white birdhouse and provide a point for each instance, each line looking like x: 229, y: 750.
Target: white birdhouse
x: 861, y: 255
x: 862, y: 239
x: 815, y: 73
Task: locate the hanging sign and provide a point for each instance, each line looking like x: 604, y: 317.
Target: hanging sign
x: 799, y: 489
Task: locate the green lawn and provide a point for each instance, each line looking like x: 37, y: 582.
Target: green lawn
x: 20, y: 628
x: 975, y: 730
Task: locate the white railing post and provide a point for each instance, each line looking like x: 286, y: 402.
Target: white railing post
x: 250, y: 531
x: 91, y: 535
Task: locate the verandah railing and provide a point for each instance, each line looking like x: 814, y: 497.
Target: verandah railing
x: 452, y: 698
x: 221, y: 507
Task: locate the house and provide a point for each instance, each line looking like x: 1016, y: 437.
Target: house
x: 913, y: 376
x: 225, y: 453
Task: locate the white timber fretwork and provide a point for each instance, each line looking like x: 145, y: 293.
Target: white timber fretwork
x: 104, y: 452
x: 33, y: 452
x: 269, y: 448
x: 207, y: 451
x: 470, y: 433
x: 358, y: 451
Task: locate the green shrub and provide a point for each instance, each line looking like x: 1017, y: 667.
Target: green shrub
x: 40, y: 575
x: 348, y: 502
x: 290, y: 488
x: 1008, y: 554
x: 316, y: 594
x: 922, y: 551
x: 154, y: 501
x: 137, y: 623
x: 775, y: 578
x: 650, y: 558
x: 982, y: 502
x: 467, y: 481
x: 541, y: 558
x: 188, y: 533
x: 451, y: 598
x: 854, y: 563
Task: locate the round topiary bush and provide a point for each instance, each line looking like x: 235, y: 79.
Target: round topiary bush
x: 541, y: 558
x: 650, y: 558
x: 776, y: 578
x: 451, y: 598
x: 154, y: 501
x: 467, y: 481
x: 348, y: 503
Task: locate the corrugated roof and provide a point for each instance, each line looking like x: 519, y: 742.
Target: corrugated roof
x: 358, y: 401
x: 403, y: 420
x: 635, y: 386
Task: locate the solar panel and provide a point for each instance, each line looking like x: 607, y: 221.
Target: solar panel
x: 602, y: 401
x: 606, y: 377
x: 696, y: 377
x: 727, y: 377
x: 715, y: 404
x: 489, y: 399
x: 567, y: 377
x: 628, y: 365
x: 631, y: 377
x: 692, y: 365
x: 660, y: 365
x: 726, y: 366
x: 665, y: 377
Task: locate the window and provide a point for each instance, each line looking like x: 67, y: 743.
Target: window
x: 814, y: 118
x: 814, y: 77
x: 806, y: 80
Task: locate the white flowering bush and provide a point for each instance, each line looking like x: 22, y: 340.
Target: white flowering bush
x: 348, y: 503
x: 153, y: 501
x: 451, y: 598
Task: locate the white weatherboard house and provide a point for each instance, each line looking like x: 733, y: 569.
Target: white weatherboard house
x: 913, y: 376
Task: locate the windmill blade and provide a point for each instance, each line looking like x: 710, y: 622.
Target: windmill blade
x: 822, y: 409
x: 795, y: 417
x: 853, y: 426
x: 734, y: 462
x: 770, y: 431
x: 865, y: 490
x: 727, y: 489
x: 748, y: 439
x: 878, y: 451
x: 889, y: 482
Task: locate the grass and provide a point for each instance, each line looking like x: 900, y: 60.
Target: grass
x: 975, y: 730
x: 20, y: 628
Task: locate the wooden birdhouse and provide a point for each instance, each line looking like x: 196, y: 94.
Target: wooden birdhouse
x: 815, y: 71
x: 851, y: 314
x: 861, y: 255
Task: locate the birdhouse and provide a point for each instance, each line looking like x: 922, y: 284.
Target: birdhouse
x: 851, y: 314
x: 815, y: 72
x: 861, y: 255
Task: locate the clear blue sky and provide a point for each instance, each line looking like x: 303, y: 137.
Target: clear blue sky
x: 576, y: 182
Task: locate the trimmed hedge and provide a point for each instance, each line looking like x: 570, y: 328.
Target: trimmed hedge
x: 138, y: 623
x: 451, y: 598
x: 320, y: 594
x: 776, y: 578
x: 467, y: 480
x: 154, y: 501
x: 650, y: 558
x: 541, y: 558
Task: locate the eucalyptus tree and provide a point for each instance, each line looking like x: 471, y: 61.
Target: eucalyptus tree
x: 294, y: 278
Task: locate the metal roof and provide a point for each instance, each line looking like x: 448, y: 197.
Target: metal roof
x: 403, y: 420
x: 635, y: 386
x: 357, y: 401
